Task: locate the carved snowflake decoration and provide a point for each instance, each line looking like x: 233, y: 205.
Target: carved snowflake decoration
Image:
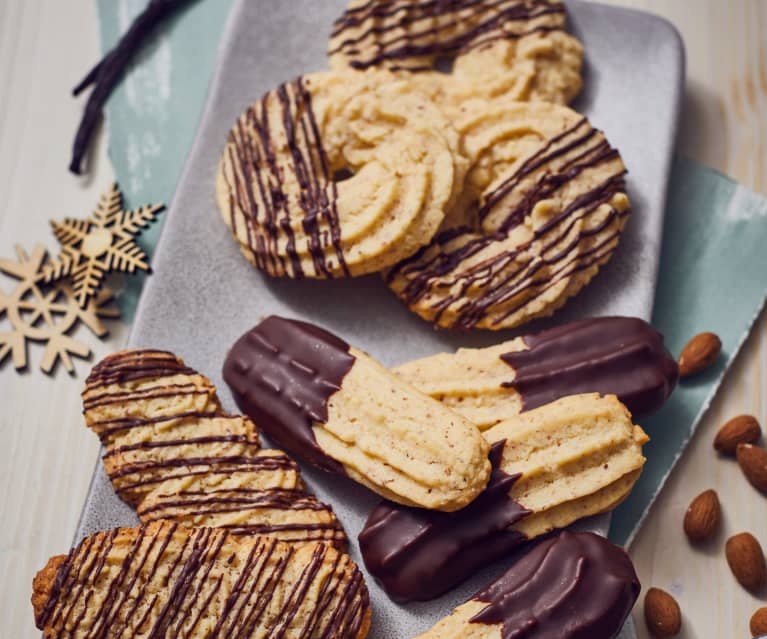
x: 100, y: 244
x: 48, y: 314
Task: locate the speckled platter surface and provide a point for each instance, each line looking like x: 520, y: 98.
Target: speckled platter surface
x: 203, y: 295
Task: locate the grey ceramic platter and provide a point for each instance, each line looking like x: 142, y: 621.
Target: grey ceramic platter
x: 203, y: 294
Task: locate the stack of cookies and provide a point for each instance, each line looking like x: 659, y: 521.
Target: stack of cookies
x: 438, y: 151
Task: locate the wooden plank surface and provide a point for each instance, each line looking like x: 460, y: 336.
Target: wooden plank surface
x: 47, y: 456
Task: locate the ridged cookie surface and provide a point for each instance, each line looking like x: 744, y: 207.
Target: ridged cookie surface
x: 507, y: 49
x: 339, y: 409
x: 543, y: 208
x: 338, y: 174
x: 624, y: 356
x: 553, y: 465
x: 572, y: 586
x: 164, y: 581
x: 173, y: 454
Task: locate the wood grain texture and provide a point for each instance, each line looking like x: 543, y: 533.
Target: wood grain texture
x: 47, y: 455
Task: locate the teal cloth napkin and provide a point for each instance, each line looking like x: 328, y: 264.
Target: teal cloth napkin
x: 713, y: 272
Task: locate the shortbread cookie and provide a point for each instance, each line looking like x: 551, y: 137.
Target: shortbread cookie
x: 165, y: 581
x: 553, y: 465
x: 572, y: 586
x: 338, y: 174
x: 255, y: 496
x: 173, y: 454
x: 624, y: 356
x: 339, y: 409
x: 507, y: 50
x: 542, y: 210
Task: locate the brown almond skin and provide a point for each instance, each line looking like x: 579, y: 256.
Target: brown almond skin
x: 758, y: 625
x: 753, y: 462
x: 699, y: 354
x: 701, y: 521
x: 662, y: 614
x: 746, y: 560
x: 743, y: 429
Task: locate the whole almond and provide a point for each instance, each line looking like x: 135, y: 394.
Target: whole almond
x: 758, y: 625
x: 743, y: 429
x: 700, y: 353
x: 662, y: 614
x: 753, y: 462
x: 746, y: 560
x: 701, y: 520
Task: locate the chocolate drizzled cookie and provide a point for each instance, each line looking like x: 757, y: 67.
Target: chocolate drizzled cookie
x: 542, y: 210
x: 165, y: 581
x: 173, y: 454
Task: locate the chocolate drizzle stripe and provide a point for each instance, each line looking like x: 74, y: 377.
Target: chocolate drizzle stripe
x: 157, y: 392
x: 171, y: 443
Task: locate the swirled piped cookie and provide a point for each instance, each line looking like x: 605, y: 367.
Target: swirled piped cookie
x: 543, y: 208
x: 164, y: 581
x: 173, y: 454
x: 497, y: 49
x: 337, y: 174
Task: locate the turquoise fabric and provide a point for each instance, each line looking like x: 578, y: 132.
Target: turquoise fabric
x: 713, y: 273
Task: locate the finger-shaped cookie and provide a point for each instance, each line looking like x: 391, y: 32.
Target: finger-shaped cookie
x: 164, y: 581
x: 571, y: 586
x: 339, y: 409
x: 338, y: 174
x: 624, y: 356
x: 553, y: 465
x: 173, y: 454
x: 267, y: 498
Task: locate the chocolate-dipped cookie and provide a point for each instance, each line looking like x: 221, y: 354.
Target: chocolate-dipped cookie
x: 542, y: 210
x: 553, y: 465
x: 624, y: 356
x: 337, y: 408
x: 173, y: 454
x: 505, y: 50
x: 165, y: 581
x: 572, y: 586
x: 338, y: 174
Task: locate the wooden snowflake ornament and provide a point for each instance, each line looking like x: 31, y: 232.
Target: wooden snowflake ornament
x: 101, y: 244
x: 46, y: 313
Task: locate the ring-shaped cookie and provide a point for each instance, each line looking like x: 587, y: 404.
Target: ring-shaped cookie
x: 542, y: 210
x: 507, y: 49
x: 338, y: 174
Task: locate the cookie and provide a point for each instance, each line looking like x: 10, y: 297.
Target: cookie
x: 624, y: 356
x: 162, y: 580
x: 571, y: 586
x: 336, y: 174
x: 172, y: 453
x: 552, y: 466
x: 508, y: 50
x: 337, y: 408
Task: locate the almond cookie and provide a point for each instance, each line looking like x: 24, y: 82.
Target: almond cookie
x: 543, y: 208
x: 507, y: 50
x: 339, y: 409
x: 571, y: 586
x: 338, y: 174
x: 173, y: 454
x: 553, y: 465
x: 624, y: 356
x: 164, y: 581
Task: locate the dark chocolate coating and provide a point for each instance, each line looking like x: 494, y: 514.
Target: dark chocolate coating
x: 624, y: 356
x: 572, y: 586
x: 419, y: 554
x: 282, y: 374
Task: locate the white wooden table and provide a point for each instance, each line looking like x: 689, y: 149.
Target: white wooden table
x: 46, y: 454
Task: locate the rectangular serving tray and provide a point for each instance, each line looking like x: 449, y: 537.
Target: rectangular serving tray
x: 203, y: 294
